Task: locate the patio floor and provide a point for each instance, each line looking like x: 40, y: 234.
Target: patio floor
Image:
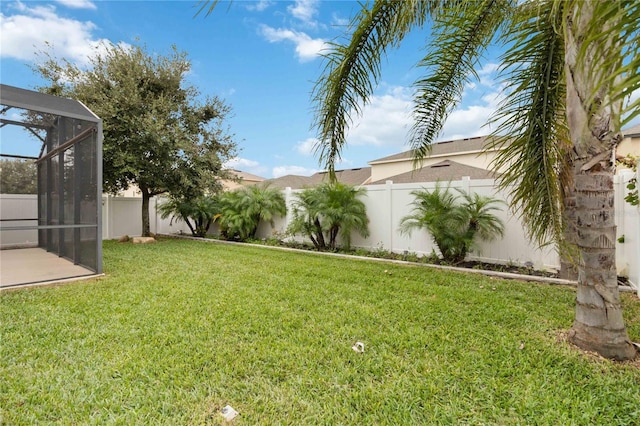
x: 35, y: 265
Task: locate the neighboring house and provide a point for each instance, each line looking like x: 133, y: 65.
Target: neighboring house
x: 630, y: 144
x: 354, y: 177
x: 451, y: 160
x: 443, y: 171
x: 463, y: 152
x: 245, y: 179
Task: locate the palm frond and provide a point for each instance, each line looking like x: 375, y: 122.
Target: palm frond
x: 533, y: 157
x: 206, y: 6
x: 615, y: 41
x: 352, y: 70
x: 461, y: 33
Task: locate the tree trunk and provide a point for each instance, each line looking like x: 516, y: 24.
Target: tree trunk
x: 568, y: 255
x: 319, y: 234
x: 191, y: 228
x: 593, y: 121
x: 145, y: 212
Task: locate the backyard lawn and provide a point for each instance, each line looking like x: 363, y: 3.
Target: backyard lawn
x: 179, y: 329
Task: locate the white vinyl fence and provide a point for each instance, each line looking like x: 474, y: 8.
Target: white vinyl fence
x: 386, y: 205
x: 120, y: 216
x: 123, y: 216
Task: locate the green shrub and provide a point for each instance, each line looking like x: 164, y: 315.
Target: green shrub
x: 327, y: 212
x: 244, y: 209
x: 454, y: 221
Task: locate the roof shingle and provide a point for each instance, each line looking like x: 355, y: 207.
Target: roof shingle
x: 446, y: 170
x: 354, y: 177
x: 441, y: 148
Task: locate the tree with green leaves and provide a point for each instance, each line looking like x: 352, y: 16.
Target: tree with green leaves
x: 454, y: 222
x: 328, y: 211
x: 242, y: 210
x: 198, y: 213
x: 159, y: 134
x: 569, y: 65
x: 18, y: 176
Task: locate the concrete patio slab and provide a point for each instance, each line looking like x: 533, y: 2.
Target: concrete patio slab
x: 35, y: 265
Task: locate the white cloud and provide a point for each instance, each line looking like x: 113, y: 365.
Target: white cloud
x: 307, y: 146
x: 304, y: 10
x: 489, y: 68
x: 307, y: 48
x: 472, y: 120
x: 245, y: 165
x: 238, y: 162
x: 292, y: 170
x: 344, y: 162
x: 259, y: 6
x: 385, y: 120
x: 78, y: 4
x: 338, y: 21
x: 36, y: 28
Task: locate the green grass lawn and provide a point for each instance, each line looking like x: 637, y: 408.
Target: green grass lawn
x: 179, y: 329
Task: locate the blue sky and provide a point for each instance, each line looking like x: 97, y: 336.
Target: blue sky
x: 261, y: 57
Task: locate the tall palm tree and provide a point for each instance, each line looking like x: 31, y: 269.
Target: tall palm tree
x: 569, y: 64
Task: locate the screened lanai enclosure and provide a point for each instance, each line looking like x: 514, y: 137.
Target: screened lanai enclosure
x: 51, y: 192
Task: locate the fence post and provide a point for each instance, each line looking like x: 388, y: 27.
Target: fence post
x: 637, y: 260
x: 288, y: 199
x: 622, y: 261
x: 107, y: 217
x: 466, y: 184
x: 389, y: 190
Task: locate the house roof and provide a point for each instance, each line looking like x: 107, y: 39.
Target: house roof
x: 289, y: 181
x: 443, y: 171
x: 355, y: 177
x: 247, y: 176
x: 440, y: 148
x: 632, y: 131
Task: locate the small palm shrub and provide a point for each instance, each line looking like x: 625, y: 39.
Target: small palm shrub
x: 243, y: 209
x: 454, y: 221
x: 198, y: 213
x: 329, y: 211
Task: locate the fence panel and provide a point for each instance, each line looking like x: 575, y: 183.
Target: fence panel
x: 628, y: 225
x: 386, y: 211
x: 18, y: 210
x: 387, y: 203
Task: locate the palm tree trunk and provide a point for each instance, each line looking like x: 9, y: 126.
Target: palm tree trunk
x: 592, y: 120
x: 568, y: 269
x: 191, y: 228
x: 321, y: 243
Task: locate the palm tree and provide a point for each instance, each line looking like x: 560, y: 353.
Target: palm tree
x: 329, y: 211
x: 569, y: 66
x: 453, y: 225
x: 199, y: 213
x: 307, y: 216
x: 244, y: 209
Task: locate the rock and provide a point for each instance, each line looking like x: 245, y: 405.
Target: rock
x: 124, y: 239
x: 143, y: 240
